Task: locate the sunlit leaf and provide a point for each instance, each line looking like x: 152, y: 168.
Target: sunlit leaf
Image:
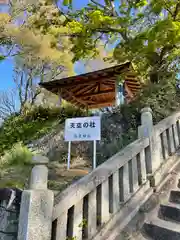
x: 2, y: 58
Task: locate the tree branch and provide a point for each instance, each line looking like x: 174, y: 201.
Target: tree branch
x: 177, y: 9
x: 98, y: 4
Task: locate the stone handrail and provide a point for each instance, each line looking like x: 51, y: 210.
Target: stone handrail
x: 85, y: 185
x: 166, y: 137
x: 86, y: 208
x: 82, y: 209
x: 93, y: 190
x: 167, y: 123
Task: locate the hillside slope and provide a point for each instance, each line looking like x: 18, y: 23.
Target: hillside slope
x: 119, y: 128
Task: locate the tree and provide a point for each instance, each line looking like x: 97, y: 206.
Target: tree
x: 28, y: 73
x: 100, y: 61
x: 27, y: 33
x: 7, y: 103
x: 146, y: 33
x: 39, y: 51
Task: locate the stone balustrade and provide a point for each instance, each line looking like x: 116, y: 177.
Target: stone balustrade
x: 115, y: 190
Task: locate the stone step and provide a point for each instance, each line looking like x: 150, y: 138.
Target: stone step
x: 175, y: 196
x: 136, y: 236
x: 170, y: 211
x: 158, y: 229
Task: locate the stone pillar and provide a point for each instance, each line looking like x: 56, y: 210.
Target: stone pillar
x: 145, y: 131
x: 152, y: 152
x: 146, y: 128
x: 36, y: 209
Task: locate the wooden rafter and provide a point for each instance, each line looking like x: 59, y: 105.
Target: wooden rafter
x: 99, y: 87
x: 74, y: 84
x: 75, y: 98
x: 129, y: 92
x: 84, y: 89
x: 95, y: 89
x: 108, y: 91
x: 102, y: 104
x: 92, y: 90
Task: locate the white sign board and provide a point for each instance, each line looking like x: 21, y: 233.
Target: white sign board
x: 83, y: 129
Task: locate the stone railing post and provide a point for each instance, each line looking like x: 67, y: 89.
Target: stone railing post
x: 35, y: 219
x: 147, y: 130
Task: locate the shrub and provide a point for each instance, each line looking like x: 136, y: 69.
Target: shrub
x: 33, y: 124
x: 61, y: 112
x: 15, y: 167
x: 120, y: 127
x: 19, y: 155
x: 162, y: 98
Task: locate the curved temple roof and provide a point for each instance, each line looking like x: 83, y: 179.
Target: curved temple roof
x: 95, y: 89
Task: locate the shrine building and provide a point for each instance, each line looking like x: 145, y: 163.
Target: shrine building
x: 107, y: 87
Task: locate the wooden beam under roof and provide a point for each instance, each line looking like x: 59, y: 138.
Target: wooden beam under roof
x: 94, y: 89
x: 102, y: 104
x: 75, y: 98
x: 110, y: 72
x: 128, y: 90
x: 96, y: 93
x: 85, y: 89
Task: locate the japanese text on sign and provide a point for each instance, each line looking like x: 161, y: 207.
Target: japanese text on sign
x: 83, y: 129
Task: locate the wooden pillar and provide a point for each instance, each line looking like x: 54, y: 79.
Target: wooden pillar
x: 122, y: 97
x: 117, y: 99
x: 130, y: 95
x: 119, y: 96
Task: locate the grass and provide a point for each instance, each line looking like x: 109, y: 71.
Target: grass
x: 19, y: 155
x: 15, y: 166
x: 18, y: 131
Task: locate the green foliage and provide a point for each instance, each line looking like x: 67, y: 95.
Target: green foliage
x: 67, y: 2
x: 163, y: 98
x: 33, y: 124
x: 15, y: 166
x: 12, y: 183
x: 19, y: 155
x: 2, y: 58
x: 144, y: 32
x: 150, y: 37
x: 83, y: 224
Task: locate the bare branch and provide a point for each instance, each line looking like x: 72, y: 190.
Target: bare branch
x: 98, y: 4
x: 7, y: 103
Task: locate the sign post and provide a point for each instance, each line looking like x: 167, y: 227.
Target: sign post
x: 82, y: 129
x: 69, y: 155
x: 94, y: 154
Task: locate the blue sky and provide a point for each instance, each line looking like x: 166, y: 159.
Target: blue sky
x: 6, y: 67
